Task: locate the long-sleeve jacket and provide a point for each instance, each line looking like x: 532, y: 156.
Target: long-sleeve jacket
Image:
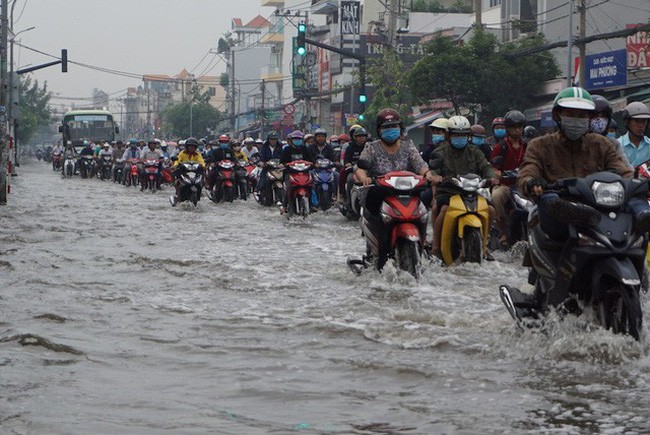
x: 267, y: 153
x: 131, y: 153
x: 184, y: 156
x: 553, y: 156
x: 468, y: 160
x: 291, y: 153
x: 327, y: 151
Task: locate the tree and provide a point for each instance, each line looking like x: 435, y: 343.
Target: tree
x: 34, y: 111
x: 176, y: 119
x: 480, y: 74
x: 388, y: 75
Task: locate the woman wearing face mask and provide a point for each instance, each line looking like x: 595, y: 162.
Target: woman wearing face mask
x: 601, y: 122
x: 391, y: 152
x: 458, y: 158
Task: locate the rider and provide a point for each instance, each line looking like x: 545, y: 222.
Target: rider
x: 601, y: 120
x: 477, y: 138
x: 320, y: 147
x: 57, y: 150
x: 249, y: 148
x: 132, y: 152
x: 438, y: 129
x: 530, y: 132
x: 635, y: 143
x: 296, y: 150
x: 222, y: 152
x: 457, y: 159
x: 499, y: 129
x: 507, y: 155
x: 271, y: 149
x: 238, y: 152
x: 570, y: 152
x: 391, y: 152
x: 150, y: 153
x: 352, y: 154
x: 189, y: 154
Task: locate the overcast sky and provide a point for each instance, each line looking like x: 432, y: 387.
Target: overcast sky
x: 136, y: 36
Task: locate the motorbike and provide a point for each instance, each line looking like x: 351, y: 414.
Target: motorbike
x: 598, y: 266
x: 151, y: 175
x: 167, y: 173
x: 57, y: 161
x: 68, y: 167
x: 105, y: 167
x: 300, y: 183
x: 131, y: 176
x: 324, y: 186
x: 190, y: 176
x: 39, y: 154
x: 86, y: 166
x: 118, y: 171
x: 352, y: 207
x: 224, y: 188
x: 274, y: 189
x: 399, y: 230
x: 465, y: 228
x: 243, y: 170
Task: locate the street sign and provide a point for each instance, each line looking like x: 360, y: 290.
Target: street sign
x: 606, y: 70
x: 350, y: 17
x: 289, y: 109
x: 638, y: 48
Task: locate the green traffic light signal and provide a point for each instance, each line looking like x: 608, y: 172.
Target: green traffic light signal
x: 302, y: 28
x: 362, y: 98
x: 361, y: 117
x: 302, y: 51
x: 300, y: 40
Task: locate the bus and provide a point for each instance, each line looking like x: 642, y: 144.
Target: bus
x: 90, y: 125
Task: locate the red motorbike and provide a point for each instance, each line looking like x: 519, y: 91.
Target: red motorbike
x: 224, y: 188
x: 131, y: 176
x: 399, y: 229
x: 151, y: 175
x: 57, y: 161
x: 300, y: 183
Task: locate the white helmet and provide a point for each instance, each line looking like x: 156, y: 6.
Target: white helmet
x: 458, y: 124
x: 637, y: 110
x: 249, y: 140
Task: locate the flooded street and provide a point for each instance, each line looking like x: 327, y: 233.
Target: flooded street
x: 121, y: 314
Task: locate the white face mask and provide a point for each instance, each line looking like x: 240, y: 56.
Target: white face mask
x: 574, y: 128
x: 598, y: 124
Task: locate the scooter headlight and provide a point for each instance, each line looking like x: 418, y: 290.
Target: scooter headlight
x: 469, y: 184
x: 608, y: 194
x: 388, y: 213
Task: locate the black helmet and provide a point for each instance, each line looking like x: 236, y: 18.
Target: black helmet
x: 514, y: 118
x: 612, y: 125
x: 320, y: 131
x: 191, y: 141
x: 360, y: 131
x: 271, y: 135
x: 602, y: 105
x: 530, y: 132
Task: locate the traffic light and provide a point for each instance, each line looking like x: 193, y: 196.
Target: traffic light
x: 362, y: 98
x: 300, y: 43
x: 361, y: 117
x: 64, y: 60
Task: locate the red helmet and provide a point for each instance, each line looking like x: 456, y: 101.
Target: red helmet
x: 224, y: 138
x: 498, y: 121
x: 388, y: 117
x: 344, y: 138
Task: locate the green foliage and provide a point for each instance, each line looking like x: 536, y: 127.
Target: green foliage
x: 177, y: 119
x: 224, y: 80
x: 479, y: 73
x: 34, y: 110
x: 388, y: 74
x: 434, y: 6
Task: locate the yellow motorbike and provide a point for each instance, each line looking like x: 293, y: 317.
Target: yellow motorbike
x: 465, y: 228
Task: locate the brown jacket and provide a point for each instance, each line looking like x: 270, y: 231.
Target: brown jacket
x: 553, y: 156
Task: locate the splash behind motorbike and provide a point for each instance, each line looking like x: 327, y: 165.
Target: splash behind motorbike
x: 399, y: 230
x: 598, y: 266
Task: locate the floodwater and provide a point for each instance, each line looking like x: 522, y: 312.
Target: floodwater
x: 121, y: 314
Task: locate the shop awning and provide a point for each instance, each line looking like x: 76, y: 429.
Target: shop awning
x: 424, y: 119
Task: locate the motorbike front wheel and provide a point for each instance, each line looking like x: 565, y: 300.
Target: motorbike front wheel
x: 472, y: 245
x: 324, y: 199
x: 229, y: 193
x: 303, y: 206
x: 619, y: 309
x: 407, y: 255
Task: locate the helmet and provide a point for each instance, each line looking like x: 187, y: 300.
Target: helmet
x: 574, y: 98
x: 224, y: 138
x: 271, y: 135
x: 202, y: 141
x: 439, y: 123
x: 458, y: 124
x: 320, y: 131
x: 360, y: 132
x: 152, y: 141
x: 613, y: 125
x: 133, y: 141
x: 249, y: 140
x: 602, y: 105
x: 296, y: 134
x: 308, y: 136
x: 354, y: 127
x: 344, y: 138
x: 498, y: 121
x: 530, y: 131
x: 387, y: 118
x: 514, y: 118
x: 334, y: 138
x: 636, y: 110
x: 259, y: 141
x: 106, y: 144
x: 477, y: 130
x: 191, y: 141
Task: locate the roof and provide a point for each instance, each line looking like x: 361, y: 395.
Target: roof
x: 236, y: 22
x: 156, y: 77
x: 259, y: 21
x: 87, y: 112
x: 183, y: 75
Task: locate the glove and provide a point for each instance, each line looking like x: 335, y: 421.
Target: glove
x: 535, y: 182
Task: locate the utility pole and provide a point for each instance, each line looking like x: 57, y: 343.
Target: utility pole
x: 569, y: 46
x: 232, y: 88
x: 478, y: 13
x: 392, y: 22
x: 263, y: 118
x: 4, y: 23
x: 582, y: 8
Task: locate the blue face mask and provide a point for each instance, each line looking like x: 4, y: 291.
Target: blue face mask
x: 224, y: 146
x: 390, y: 135
x: 437, y: 138
x: 459, y: 142
x: 478, y: 141
x: 297, y: 142
x: 611, y: 134
x: 500, y: 132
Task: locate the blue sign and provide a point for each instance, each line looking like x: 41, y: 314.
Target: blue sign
x: 546, y: 119
x: 605, y: 70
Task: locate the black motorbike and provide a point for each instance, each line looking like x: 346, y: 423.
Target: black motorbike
x: 600, y: 263
x: 273, y: 190
x: 190, y: 178
x: 86, y: 166
x: 104, y: 170
x: 118, y: 169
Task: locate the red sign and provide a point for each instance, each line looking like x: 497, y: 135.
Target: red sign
x: 638, y: 48
x: 289, y: 109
